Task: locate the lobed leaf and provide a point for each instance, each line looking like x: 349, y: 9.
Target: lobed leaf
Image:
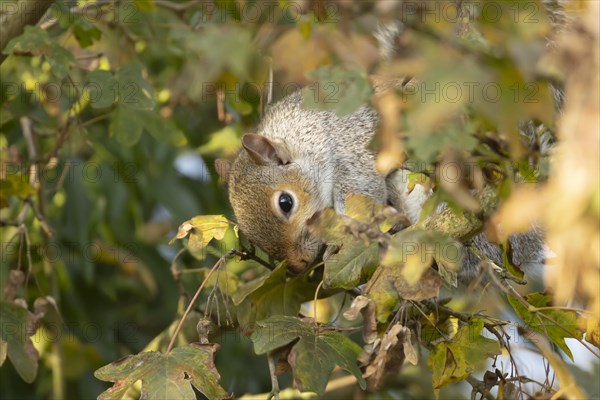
x: 17, y: 324
x: 315, y: 354
x: 352, y: 265
x: 453, y: 361
x: 202, y: 229
x: 101, y: 89
x: 135, y: 92
x: 553, y: 331
x: 272, y: 294
x: 166, y: 376
x: 337, y: 89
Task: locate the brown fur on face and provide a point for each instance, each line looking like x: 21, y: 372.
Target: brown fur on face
x: 318, y: 156
x: 253, y: 187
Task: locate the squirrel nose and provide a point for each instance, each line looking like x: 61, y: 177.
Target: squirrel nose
x: 298, y: 266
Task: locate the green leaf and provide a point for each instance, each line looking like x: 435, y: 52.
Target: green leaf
x: 127, y: 125
x: 365, y: 209
x: 361, y: 210
x: 224, y: 142
x: 388, y: 286
x: 145, y: 5
x: 59, y: 59
x: 383, y: 293
x: 272, y: 294
x: 101, y: 89
x: 164, y: 129
x: 85, y: 33
x: 17, y: 324
x: 454, y: 360
x: 16, y: 185
x: 233, y: 53
x: 352, y: 265
x: 507, y: 261
x: 314, y: 356
x: 329, y: 226
x: 166, y: 376
x: 553, y: 331
x: 416, y: 249
x: 337, y: 89
x: 34, y: 40
x: 427, y: 146
x: 134, y: 91
x: 405, y: 269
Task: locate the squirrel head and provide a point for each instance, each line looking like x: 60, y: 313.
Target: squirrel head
x: 273, y: 195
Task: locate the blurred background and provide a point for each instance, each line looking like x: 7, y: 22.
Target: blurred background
x: 122, y: 107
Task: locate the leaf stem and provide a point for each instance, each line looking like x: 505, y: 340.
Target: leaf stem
x: 246, y: 254
x: 315, y: 301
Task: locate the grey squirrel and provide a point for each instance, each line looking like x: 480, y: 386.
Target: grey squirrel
x: 302, y: 161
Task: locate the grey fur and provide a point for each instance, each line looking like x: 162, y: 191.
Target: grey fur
x: 324, y: 142
x: 329, y: 160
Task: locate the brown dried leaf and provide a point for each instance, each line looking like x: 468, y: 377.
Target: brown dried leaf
x: 366, y: 307
x: 409, y: 349
x: 356, y: 307
x: 427, y: 287
x: 14, y: 281
x: 389, y: 358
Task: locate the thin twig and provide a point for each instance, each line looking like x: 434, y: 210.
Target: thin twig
x: 177, y: 274
x: 497, y: 269
x: 508, y: 289
x: 33, y: 169
x: 41, y: 219
x: 28, y: 253
x: 78, y: 11
x: 434, y: 325
x: 480, y: 387
x: 92, y: 121
x: 187, y: 311
x: 573, y: 336
x: 249, y: 255
x: 576, y: 310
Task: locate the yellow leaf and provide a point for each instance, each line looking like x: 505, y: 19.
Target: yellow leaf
x: 592, y: 334
x: 204, y: 228
x: 415, y: 266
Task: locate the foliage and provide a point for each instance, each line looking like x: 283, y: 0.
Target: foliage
x: 455, y: 360
x: 313, y: 354
x: 112, y: 113
x: 165, y: 376
x: 17, y: 326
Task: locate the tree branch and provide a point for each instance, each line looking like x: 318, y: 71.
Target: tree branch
x: 16, y: 16
x: 465, y: 226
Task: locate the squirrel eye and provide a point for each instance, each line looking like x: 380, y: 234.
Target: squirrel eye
x: 286, y: 203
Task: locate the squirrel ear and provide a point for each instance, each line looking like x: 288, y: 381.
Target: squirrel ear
x: 263, y: 151
x: 223, y: 167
